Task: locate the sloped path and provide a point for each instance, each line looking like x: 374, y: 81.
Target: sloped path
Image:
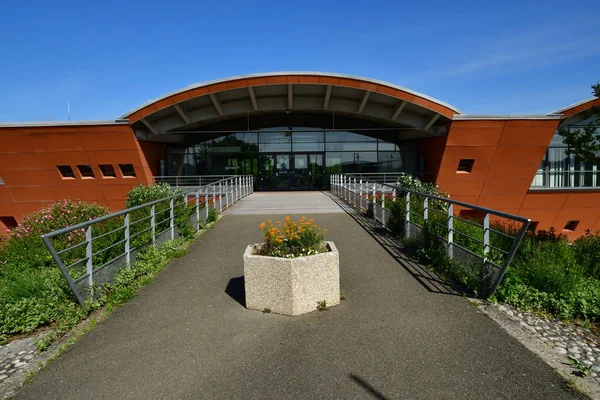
x: 186, y: 336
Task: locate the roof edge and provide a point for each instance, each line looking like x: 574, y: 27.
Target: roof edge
x: 282, y: 73
x: 464, y: 117
x: 574, y: 105
x: 119, y: 121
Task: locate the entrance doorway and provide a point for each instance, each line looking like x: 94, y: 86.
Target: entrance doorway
x: 291, y: 171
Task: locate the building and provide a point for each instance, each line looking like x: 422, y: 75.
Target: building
x: 291, y: 130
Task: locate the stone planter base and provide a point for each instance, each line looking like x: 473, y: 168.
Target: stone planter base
x: 291, y: 286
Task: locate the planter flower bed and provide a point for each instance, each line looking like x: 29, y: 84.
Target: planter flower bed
x: 293, y: 271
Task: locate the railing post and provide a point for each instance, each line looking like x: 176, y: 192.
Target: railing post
x: 227, y: 185
x: 426, y: 210
x: 153, y: 224
x: 220, y: 198
x: 486, y: 236
x: 177, y: 180
x: 172, y: 218
x: 198, y: 209
x: 360, y: 192
x: 451, y: 231
x: 407, y: 220
x: 394, y: 195
x: 383, y: 206
x: 206, y: 203
x: 127, y: 242
x: 89, y: 266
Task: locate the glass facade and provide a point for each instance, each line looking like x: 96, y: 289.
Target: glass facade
x: 291, y: 158
x: 557, y: 170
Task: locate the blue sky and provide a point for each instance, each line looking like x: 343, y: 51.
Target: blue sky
x: 107, y: 57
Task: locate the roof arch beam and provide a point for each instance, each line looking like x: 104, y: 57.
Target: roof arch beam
x: 182, y: 113
x: 253, y: 98
x: 363, y: 102
x: 216, y: 103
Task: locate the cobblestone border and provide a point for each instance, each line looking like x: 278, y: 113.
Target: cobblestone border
x: 553, y: 341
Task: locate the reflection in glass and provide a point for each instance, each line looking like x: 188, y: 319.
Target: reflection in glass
x: 347, y: 137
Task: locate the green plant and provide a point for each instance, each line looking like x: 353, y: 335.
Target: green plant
x: 583, y: 369
x: 266, y: 310
x: 322, y: 306
x: 290, y: 239
x: 212, y: 215
x: 342, y: 296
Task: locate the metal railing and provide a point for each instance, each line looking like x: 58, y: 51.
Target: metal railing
x: 191, y: 180
x: 483, y: 244
x: 567, y: 179
x: 89, y: 254
x: 379, y: 177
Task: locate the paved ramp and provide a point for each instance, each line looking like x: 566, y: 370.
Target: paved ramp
x: 188, y: 335
x: 274, y: 203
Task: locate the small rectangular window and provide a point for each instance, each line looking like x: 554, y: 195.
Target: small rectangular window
x: 570, y: 226
x: 86, y: 171
x: 465, y: 166
x: 9, y: 222
x: 66, y: 171
x: 127, y: 170
x: 108, y: 171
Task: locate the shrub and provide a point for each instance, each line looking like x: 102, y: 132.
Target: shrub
x: 292, y: 239
x: 140, y: 221
x: 32, y: 290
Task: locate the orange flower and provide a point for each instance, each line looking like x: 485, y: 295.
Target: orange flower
x: 310, y: 221
x: 269, y: 221
x: 278, y: 222
x: 287, y: 219
x: 261, y: 226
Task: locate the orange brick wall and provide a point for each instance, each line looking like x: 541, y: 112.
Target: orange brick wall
x: 29, y: 157
x: 507, y: 154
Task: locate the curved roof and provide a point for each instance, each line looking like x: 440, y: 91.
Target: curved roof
x: 580, y: 111
x: 578, y: 107
x: 205, y: 104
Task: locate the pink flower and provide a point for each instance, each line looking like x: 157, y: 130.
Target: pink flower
x: 8, y: 231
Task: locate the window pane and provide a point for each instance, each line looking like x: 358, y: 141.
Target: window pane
x: 348, y: 137
x: 304, y: 137
x: 390, y: 161
x: 387, y: 146
x: 308, y: 146
x: 352, y: 146
x: 276, y: 137
x: 275, y: 147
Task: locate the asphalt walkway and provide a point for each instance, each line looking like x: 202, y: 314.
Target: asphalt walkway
x: 187, y: 335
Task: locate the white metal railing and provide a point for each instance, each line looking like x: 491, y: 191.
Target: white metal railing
x: 419, y: 212
x: 191, y: 180
x: 90, y: 253
x: 379, y: 177
x: 567, y: 179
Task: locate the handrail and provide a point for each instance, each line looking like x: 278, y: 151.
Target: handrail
x: 372, y: 197
x: 129, y: 235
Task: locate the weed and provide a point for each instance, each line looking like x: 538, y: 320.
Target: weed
x: 266, y: 310
x: 342, y: 296
x: 583, y: 369
x: 322, y: 306
x: 212, y: 215
x: 45, y: 342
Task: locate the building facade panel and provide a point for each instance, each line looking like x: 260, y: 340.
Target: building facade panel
x: 33, y: 179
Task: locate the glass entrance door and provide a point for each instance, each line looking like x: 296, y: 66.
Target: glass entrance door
x: 300, y: 171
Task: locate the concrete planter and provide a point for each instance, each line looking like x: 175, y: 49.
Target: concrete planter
x: 291, y: 286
